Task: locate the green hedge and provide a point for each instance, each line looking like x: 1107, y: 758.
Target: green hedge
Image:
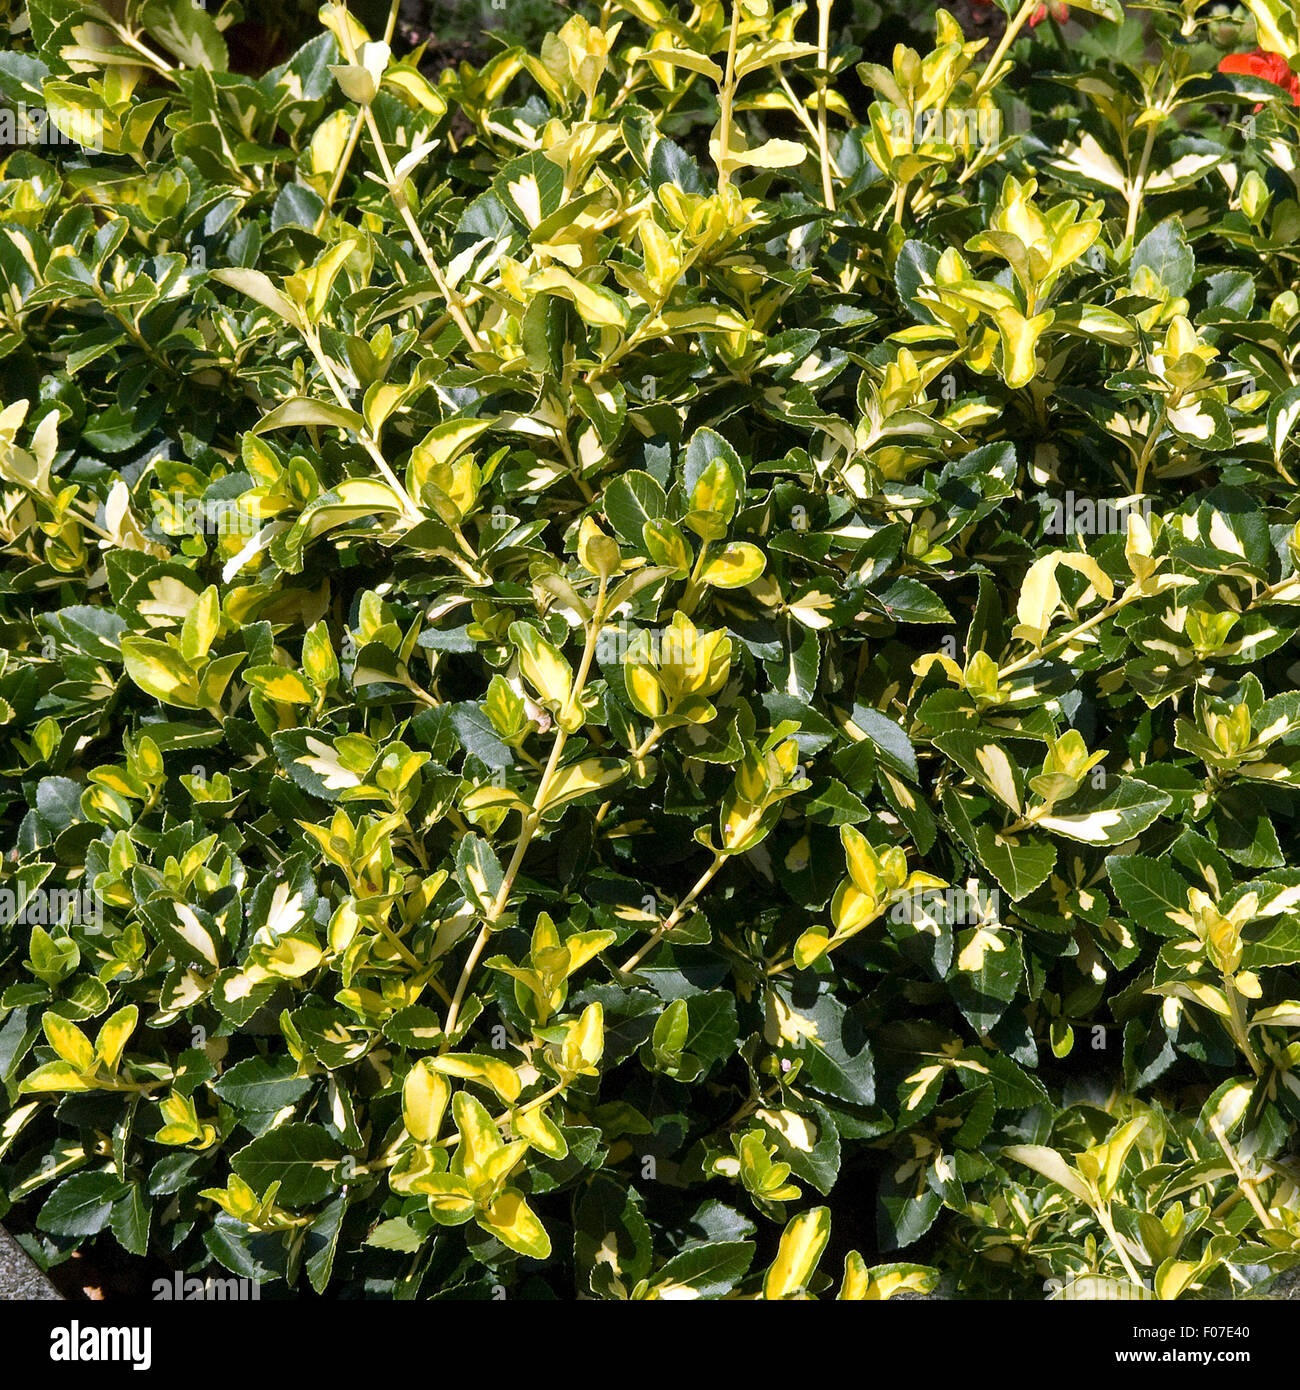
x: 660, y: 661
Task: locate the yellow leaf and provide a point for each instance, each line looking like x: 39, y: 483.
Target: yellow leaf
x: 479, y: 1139
x: 586, y: 1042
x: 418, y: 87
x: 69, y: 1042
x: 515, y: 1224
x: 801, y: 1246
x: 446, y: 1192
x: 280, y: 683
x: 771, y: 154
x: 201, y: 626
x: 1052, y: 1166
x: 1040, y: 596
x: 535, y: 1128
x: 320, y: 278
x: 596, y: 306
x: 326, y: 149
x: 685, y: 58
x: 1019, y: 339
x: 56, y: 1076
x: 490, y: 1071
x: 258, y: 287
x: 863, y: 861
x: 810, y: 947
x: 292, y: 958
x: 1087, y: 566
x: 738, y: 565
x: 1073, y: 242
x: 425, y: 1095
x: 857, y: 1278
x: 644, y: 690
x: 577, y: 779
x: 547, y: 671
x: 442, y: 446
x: 113, y: 1035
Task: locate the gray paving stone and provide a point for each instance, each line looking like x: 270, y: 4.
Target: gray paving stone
x: 20, y: 1280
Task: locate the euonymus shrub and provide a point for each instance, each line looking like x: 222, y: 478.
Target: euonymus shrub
x: 664, y: 653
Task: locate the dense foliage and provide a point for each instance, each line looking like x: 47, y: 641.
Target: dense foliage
x: 618, y: 680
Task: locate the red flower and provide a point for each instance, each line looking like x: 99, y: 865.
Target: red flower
x: 1272, y: 67
x: 1060, y: 13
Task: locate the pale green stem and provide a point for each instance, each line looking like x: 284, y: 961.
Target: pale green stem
x: 664, y: 928
x: 728, y: 93
x: 531, y: 821
x: 1008, y: 38
x: 823, y: 61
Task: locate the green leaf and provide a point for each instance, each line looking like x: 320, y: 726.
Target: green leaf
x: 988, y: 972
x: 1125, y: 811
x: 262, y: 1084
x: 711, y: 1031
x: 479, y: 872
x: 187, y: 32
x: 1020, y: 863
x: 631, y: 500
x: 709, y: 1270
x: 130, y: 1221
x: 1110, y: 10
x: 892, y: 745
x: 301, y: 410
x: 1165, y: 253
x: 81, y: 1205
x: 902, y: 1215
x: 831, y: 1043
x: 708, y: 460
x: 323, y: 1242
x: 302, y: 1158
x: 1150, y: 892
x: 612, y: 1240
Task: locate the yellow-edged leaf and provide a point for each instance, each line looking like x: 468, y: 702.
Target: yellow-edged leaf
x: 425, y: 1096
x: 801, y: 1247
x: 69, y: 1042
x: 114, y: 1034
x: 490, y: 1071
x: 515, y: 1224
